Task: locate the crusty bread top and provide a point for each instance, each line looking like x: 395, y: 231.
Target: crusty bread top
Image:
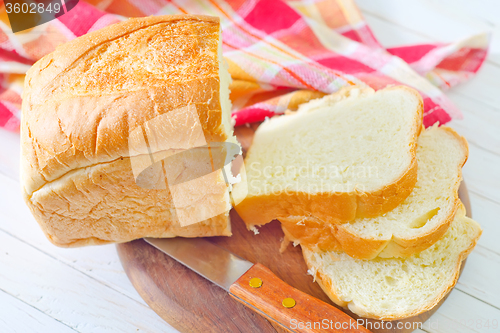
x: 81, y: 102
x: 130, y: 55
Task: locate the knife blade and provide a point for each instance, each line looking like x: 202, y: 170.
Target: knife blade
x: 256, y: 287
x: 205, y: 258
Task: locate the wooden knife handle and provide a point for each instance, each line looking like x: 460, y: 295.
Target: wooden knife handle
x: 309, y: 314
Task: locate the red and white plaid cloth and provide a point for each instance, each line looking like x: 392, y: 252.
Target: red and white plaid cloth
x: 280, y: 52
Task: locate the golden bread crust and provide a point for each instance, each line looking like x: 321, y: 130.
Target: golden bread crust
x: 317, y: 235
x: 82, y: 105
x: 336, y: 207
x: 329, y: 287
x: 103, y: 204
x: 81, y: 102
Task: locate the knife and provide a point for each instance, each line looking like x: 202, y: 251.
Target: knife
x: 256, y: 287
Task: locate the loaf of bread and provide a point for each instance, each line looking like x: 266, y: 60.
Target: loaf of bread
x: 347, y: 155
x: 414, y: 225
x: 105, y: 110
x: 396, y: 288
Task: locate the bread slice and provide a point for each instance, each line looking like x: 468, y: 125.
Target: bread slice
x: 414, y: 225
x: 115, y: 100
x: 397, y: 288
x: 347, y: 155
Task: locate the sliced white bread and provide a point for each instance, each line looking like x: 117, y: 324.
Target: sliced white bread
x: 396, y: 288
x: 414, y: 225
x: 346, y: 155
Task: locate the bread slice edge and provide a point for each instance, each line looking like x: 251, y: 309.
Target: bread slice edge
x: 328, y: 285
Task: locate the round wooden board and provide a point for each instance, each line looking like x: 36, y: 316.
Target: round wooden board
x: 190, y: 303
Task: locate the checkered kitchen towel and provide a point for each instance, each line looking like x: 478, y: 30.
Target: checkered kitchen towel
x: 280, y: 52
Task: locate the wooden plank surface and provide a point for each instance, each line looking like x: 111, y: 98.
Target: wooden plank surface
x: 100, y: 263
x: 463, y: 313
x: 94, y: 276
x: 66, y: 294
x: 474, y: 302
x: 442, y: 20
x: 487, y: 211
x: 24, y: 318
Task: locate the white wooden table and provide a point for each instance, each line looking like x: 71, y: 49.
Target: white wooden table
x: 47, y: 289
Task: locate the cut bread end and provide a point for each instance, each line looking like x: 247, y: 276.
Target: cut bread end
x: 416, y: 224
x: 346, y: 155
x: 396, y: 288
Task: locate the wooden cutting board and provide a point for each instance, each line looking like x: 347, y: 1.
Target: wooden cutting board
x: 190, y: 303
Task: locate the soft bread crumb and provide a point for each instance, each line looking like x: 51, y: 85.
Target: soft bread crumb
x: 366, y: 163
x: 254, y: 229
x: 312, y: 272
x: 421, y: 219
x: 395, y: 288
